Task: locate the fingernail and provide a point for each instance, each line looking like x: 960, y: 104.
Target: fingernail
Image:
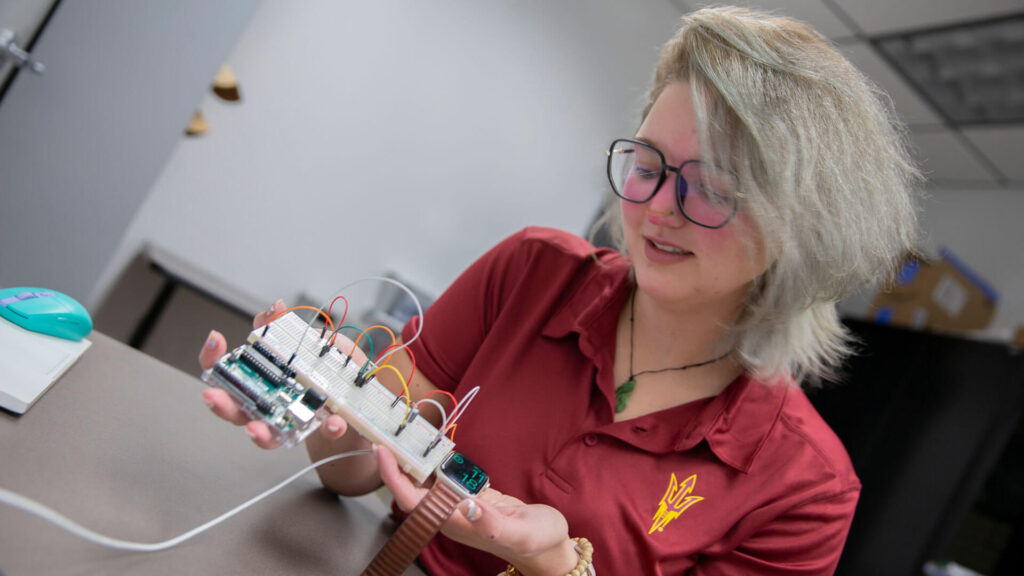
x: 250, y: 433
x: 208, y: 402
x: 210, y: 343
x: 332, y: 427
x: 471, y: 511
x: 376, y: 450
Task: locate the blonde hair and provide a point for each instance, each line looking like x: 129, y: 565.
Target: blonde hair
x: 823, y: 165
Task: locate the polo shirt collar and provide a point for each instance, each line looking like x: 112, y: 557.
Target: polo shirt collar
x: 592, y: 309
x: 735, y: 424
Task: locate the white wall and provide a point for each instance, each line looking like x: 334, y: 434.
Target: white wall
x: 400, y: 135
x: 984, y: 229
x: 415, y: 135
x: 81, y: 145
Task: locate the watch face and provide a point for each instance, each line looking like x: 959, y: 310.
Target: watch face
x: 465, y: 473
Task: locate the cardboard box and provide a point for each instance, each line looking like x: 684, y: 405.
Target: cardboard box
x: 942, y: 295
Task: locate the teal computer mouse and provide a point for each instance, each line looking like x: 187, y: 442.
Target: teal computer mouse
x: 45, y: 311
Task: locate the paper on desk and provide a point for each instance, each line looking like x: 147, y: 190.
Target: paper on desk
x: 30, y: 363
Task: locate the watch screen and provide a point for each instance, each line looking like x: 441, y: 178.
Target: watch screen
x: 462, y: 471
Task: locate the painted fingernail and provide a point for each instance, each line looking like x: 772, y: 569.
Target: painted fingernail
x: 210, y: 342
x: 471, y: 511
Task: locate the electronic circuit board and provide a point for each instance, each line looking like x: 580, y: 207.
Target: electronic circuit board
x: 288, y: 377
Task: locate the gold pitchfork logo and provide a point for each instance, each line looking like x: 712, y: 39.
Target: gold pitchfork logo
x: 675, y: 501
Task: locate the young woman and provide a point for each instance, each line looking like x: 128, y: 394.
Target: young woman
x: 649, y: 398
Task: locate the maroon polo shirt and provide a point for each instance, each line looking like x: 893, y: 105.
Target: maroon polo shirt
x: 751, y: 481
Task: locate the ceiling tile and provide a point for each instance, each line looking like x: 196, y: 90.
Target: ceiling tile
x: 945, y: 159
x: 974, y: 74
x: 1002, y: 146
x: 909, y: 105
x: 885, y: 16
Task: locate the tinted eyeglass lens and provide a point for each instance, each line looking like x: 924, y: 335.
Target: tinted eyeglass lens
x: 708, y: 196
x: 634, y: 170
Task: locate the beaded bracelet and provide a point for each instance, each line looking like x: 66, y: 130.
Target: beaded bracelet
x: 585, y: 565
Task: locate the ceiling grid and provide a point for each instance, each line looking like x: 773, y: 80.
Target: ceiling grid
x: 954, y: 71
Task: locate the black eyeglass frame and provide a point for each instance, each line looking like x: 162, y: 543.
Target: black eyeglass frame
x: 681, y: 185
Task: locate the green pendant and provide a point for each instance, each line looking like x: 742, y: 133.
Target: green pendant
x: 622, y: 394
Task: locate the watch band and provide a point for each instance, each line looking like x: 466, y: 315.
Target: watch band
x: 415, y: 532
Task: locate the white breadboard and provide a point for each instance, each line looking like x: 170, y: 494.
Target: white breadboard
x: 371, y: 409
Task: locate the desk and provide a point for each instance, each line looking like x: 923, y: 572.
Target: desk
x: 123, y: 445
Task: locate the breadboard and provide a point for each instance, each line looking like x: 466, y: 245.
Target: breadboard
x: 284, y: 401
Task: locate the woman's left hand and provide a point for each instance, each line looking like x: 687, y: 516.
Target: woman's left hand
x: 533, y: 537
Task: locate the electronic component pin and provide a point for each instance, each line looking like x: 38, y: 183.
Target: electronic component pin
x: 413, y: 413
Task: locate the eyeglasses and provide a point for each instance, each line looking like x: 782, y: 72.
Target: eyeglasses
x: 707, y: 196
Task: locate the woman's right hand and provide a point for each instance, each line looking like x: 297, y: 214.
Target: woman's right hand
x: 221, y: 403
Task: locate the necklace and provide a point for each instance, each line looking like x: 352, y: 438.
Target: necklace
x: 624, y: 390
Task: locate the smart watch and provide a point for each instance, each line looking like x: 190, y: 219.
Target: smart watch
x: 457, y: 478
